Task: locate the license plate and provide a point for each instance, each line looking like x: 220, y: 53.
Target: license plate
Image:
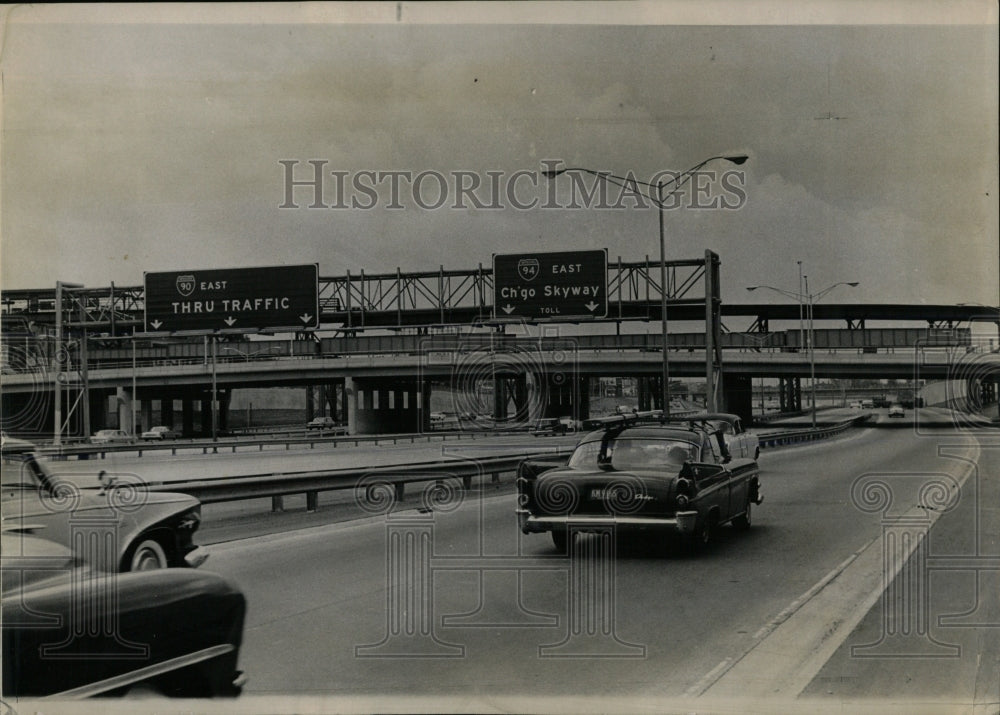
x: 600, y: 494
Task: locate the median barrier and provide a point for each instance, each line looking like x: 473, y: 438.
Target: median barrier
x: 85, y: 451
x: 391, y: 478
x: 778, y: 439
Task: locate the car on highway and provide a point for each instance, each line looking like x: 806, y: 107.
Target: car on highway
x: 896, y: 411
x: 126, y: 526
x: 548, y: 426
x: 69, y: 631
x: 659, y: 478
x: 159, y: 433
x: 737, y: 441
x: 108, y: 436
x: 321, y: 423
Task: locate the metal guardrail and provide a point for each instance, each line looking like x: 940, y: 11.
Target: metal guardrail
x: 325, y: 437
x: 777, y: 439
x: 369, y: 479
x: 396, y: 477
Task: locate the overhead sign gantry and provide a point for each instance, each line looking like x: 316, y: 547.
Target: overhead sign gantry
x: 233, y: 299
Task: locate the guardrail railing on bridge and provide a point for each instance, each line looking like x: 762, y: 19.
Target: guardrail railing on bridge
x: 394, y: 478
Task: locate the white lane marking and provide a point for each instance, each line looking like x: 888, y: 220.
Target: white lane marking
x: 722, y: 668
x: 785, y: 656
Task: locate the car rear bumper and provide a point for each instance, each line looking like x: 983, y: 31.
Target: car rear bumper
x: 683, y: 522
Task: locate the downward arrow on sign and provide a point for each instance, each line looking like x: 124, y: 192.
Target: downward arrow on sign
x: 305, y: 318
x: 508, y: 309
x: 156, y: 324
x: 591, y: 305
x: 229, y: 321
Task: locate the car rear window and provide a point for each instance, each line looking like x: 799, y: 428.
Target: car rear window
x: 626, y: 453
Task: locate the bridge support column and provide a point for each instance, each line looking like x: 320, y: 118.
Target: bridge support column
x: 642, y: 388
x: 146, y: 408
x: 98, y: 410
x: 167, y: 412
x: 123, y: 396
x: 350, y: 405
x: 310, y: 404
x: 224, y: 397
x: 738, y: 393
x: 187, y: 416
x: 206, y: 414
x: 499, y: 398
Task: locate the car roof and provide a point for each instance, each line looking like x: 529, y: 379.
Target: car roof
x: 650, y: 432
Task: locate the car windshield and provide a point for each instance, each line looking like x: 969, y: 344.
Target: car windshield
x: 626, y: 453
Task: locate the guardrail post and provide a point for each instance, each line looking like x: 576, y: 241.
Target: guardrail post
x: 278, y: 503
x: 312, y: 501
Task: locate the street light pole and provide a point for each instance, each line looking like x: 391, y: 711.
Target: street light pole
x: 810, y: 302
x: 812, y: 353
x: 660, y: 200
x: 665, y: 387
x: 60, y: 359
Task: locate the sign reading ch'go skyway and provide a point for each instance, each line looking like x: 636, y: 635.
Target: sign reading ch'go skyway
x: 233, y: 299
x: 565, y: 284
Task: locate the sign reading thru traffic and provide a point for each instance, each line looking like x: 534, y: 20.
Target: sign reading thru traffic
x: 233, y: 299
x: 565, y: 284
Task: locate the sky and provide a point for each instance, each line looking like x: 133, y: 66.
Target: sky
x: 134, y: 141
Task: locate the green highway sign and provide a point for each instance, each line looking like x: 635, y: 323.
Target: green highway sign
x: 562, y: 284
x: 233, y: 299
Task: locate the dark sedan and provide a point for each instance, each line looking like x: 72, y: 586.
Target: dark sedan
x: 653, y: 478
x: 71, y: 632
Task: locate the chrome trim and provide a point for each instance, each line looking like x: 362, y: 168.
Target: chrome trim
x: 197, y: 557
x: 150, y: 671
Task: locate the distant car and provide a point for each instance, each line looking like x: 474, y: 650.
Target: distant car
x: 108, y: 436
x: 571, y: 425
x: 868, y: 404
x: 659, y: 479
x: 856, y: 405
x: 321, y: 423
x: 159, y: 432
x: 548, y: 426
x: 438, y: 416
x: 134, y: 529
x: 70, y: 631
x: 897, y: 411
x: 737, y: 441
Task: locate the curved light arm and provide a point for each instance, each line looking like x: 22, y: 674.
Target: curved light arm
x: 823, y: 292
x: 788, y: 293
x: 810, y: 296
x: 677, y: 182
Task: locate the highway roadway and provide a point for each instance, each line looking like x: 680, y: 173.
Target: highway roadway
x: 474, y: 615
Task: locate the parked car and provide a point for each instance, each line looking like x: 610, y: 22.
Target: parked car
x: 107, y: 436
x: 321, y: 423
x: 654, y: 478
x: 856, y: 405
x: 176, y: 631
x: 159, y: 432
x: 134, y: 529
x: 736, y: 441
x: 897, y: 411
